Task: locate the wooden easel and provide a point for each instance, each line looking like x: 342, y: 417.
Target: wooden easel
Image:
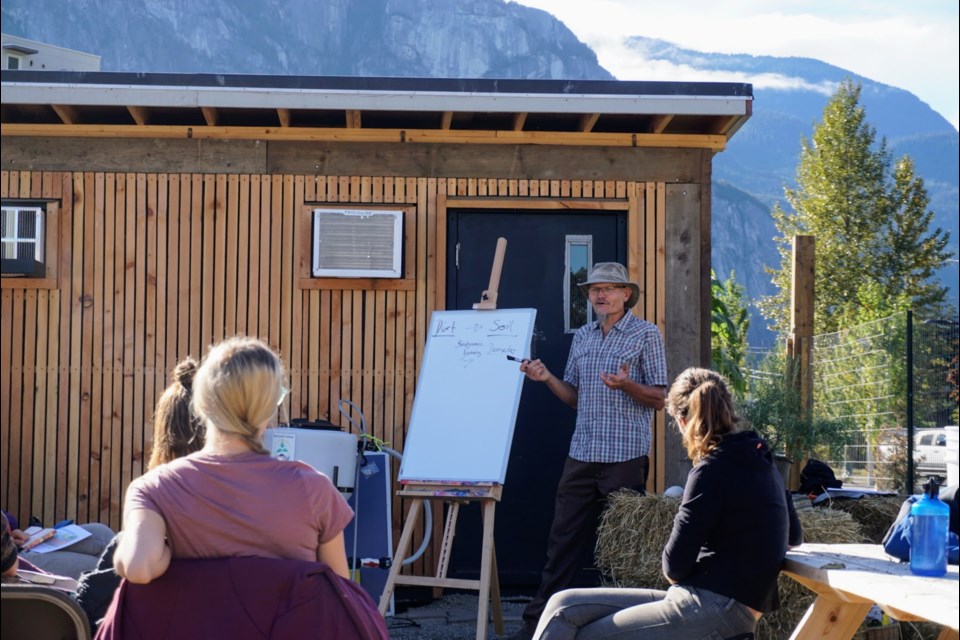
x: 489, y: 583
x: 455, y: 494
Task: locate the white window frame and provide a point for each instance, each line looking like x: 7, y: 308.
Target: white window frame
x: 571, y: 241
x: 39, y: 238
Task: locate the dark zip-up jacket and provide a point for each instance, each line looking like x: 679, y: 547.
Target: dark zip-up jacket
x: 734, y: 524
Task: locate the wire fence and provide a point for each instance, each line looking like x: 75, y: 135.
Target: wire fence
x: 889, y: 382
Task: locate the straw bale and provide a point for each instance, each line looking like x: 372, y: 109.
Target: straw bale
x: 633, y: 531
x: 875, y: 514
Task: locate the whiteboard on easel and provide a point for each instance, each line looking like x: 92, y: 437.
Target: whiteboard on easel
x: 467, y: 397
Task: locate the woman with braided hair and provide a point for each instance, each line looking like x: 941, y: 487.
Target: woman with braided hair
x: 214, y: 503
x: 732, y: 530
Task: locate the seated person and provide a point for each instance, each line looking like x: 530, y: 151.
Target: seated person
x: 231, y: 498
x: 13, y: 570
x: 72, y: 561
x: 176, y: 432
x: 731, y: 533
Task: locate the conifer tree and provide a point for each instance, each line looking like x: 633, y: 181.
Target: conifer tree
x: 869, y: 217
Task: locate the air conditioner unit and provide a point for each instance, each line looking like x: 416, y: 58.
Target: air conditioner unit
x: 357, y: 243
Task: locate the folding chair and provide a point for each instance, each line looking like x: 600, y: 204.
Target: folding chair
x: 34, y: 611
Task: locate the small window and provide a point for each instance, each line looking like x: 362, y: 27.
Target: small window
x: 357, y: 243
x: 578, y: 258
x: 22, y: 241
x: 13, y: 62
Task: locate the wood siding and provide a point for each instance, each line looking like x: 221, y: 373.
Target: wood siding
x: 152, y: 267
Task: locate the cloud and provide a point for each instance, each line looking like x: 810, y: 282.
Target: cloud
x: 912, y: 46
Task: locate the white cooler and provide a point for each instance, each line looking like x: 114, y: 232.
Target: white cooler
x: 329, y: 451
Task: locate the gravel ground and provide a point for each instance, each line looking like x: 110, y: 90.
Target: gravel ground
x: 453, y: 617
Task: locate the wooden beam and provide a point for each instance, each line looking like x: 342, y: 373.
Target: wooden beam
x: 587, y: 121
x: 284, y: 116
x: 353, y: 119
x: 721, y: 125
x: 519, y: 119
x: 537, y: 203
x: 659, y: 123
x: 431, y: 136
x: 140, y: 115
x: 66, y: 112
x: 210, y: 115
x: 446, y: 120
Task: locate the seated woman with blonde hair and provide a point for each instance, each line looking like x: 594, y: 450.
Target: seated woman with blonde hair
x: 231, y: 498
x: 730, y: 535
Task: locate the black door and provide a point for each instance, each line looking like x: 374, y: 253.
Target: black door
x: 540, y: 246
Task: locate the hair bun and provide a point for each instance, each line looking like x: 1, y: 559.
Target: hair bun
x: 184, y: 371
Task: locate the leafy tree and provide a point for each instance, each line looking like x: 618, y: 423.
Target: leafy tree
x: 729, y: 323
x: 869, y: 217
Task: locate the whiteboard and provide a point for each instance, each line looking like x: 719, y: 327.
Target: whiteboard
x: 467, y: 396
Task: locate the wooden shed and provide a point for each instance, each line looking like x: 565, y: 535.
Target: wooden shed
x: 172, y: 211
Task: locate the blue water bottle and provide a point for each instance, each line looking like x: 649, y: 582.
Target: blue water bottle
x: 928, y: 532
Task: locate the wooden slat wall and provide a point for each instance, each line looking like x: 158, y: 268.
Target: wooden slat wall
x: 154, y: 267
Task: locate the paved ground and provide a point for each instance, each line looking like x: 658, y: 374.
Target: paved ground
x: 453, y: 617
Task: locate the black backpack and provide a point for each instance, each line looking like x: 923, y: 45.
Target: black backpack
x: 817, y: 477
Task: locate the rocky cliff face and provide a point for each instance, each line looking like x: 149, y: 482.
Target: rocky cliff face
x: 425, y: 38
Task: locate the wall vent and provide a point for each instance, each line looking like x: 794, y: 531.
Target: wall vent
x: 357, y: 243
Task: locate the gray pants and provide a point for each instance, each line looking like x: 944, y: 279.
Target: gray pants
x: 680, y: 613
x: 77, y: 558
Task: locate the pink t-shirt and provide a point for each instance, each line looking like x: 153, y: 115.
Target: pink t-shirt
x: 243, y: 505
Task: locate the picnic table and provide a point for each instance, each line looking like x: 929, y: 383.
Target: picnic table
x: 850, y: 578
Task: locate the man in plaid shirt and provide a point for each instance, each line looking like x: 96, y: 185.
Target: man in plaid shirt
x: 616, y: 377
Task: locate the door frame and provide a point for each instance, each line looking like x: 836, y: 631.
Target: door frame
x: 645, y: 204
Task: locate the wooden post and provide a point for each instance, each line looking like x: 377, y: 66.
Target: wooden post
x: 488, y: 300
x: 800, y: 341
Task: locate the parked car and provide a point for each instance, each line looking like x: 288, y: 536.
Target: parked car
x: 930, y: 452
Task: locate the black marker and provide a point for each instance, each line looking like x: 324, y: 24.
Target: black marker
x: 515, y: 358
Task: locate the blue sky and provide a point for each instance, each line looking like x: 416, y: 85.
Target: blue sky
x: 912, y: 45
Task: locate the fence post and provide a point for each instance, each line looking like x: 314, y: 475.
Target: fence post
x: 909, y: 484
x: 800, y: 341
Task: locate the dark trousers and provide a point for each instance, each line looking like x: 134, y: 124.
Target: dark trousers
x: 581, y: 495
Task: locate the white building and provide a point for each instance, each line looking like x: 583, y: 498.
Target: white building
x: 29, y: 55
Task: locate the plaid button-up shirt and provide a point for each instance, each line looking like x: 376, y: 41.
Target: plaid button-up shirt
x: 612, y: 426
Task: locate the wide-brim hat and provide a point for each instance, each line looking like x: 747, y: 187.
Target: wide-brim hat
x: 612, y: 273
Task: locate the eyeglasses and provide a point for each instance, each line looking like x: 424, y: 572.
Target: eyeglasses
x: 604, y: 290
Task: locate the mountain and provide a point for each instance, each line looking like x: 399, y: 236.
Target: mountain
x: 415, y: 38
x: 497, y: 39
x: 789, y: 96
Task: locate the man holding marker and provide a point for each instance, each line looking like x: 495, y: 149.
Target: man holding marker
x: 616, y: 377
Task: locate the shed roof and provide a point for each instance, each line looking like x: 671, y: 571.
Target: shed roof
x: 374, y: 109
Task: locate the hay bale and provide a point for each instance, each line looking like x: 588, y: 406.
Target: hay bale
x: 634, y: 530
x: 874, y: 514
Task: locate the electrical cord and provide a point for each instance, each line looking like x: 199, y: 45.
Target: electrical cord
x: 345, y: 406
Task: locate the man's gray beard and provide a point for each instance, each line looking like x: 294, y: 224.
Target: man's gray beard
x: 600, y: 317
